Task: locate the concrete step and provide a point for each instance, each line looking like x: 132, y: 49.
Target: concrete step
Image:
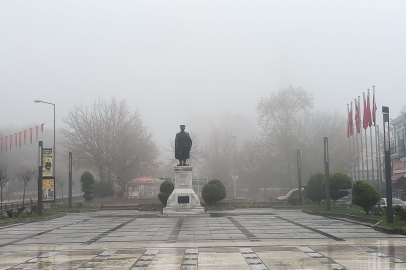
x: 120, y: 207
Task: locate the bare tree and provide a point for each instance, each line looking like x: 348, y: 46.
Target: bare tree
x: 258, y: 166
x: 218, y: 156
x: 25, y: 176
x: 3, y: 181
x: 278, y: 119
x: 110, y: 139
x: 312, y: 127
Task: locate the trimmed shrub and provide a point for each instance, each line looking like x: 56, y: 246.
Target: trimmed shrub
x: 165, y: 189
x: 364, y: 195
x: 315, y: 190
x: 293, y: 200
x: 167, y: 186
x: 400, y: 212
x: 103, y: 189
x: 339, y: 182
x: 163, y: 197
x: 87, y: 180
x: 214, y: 191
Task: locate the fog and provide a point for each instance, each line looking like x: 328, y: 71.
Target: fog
x: 198, y: 63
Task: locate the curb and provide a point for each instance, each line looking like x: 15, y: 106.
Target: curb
x: 361, y: 219
x: 375, y: 223
x: 389, y: 231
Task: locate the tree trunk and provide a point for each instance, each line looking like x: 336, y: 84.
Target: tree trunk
x: 289, y: 175
x: 24, y: 196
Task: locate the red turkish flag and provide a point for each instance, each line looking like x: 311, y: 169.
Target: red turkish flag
x: 19, y: 139
x: 357, y: 120
x: 25, y: 137
x: 367, y: 116
x: 42, y: 128
x: 15, y: 140
x: 31, y: 135
x: 36, y: 133
x: 6, y: 142
x: 369, y: 112
x: 11, y: 141
x: 1, y: 144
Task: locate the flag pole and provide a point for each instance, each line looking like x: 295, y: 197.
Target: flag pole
x: 380, y: 158
x: 359, y: 175
x: 366, y: 141
x: 362, y: 150
x: 349, y: 137
x: 372, y: 144
x: 353, y: 145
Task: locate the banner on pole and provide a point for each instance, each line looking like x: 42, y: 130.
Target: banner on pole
x: 47, y: 165
x: 48, y: 190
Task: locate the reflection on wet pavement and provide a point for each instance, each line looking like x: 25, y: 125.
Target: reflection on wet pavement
x: 281, y: 240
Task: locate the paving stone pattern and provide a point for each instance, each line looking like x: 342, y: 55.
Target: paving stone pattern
x: 89, y: 228
x: 107, y: 240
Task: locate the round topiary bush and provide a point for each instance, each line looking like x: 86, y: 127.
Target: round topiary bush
x: 87, y: 180
x: 339, y: 183
x: 315, y: 190
x: 364, y: 195
x: 163, y: 197
x: 214, y: 191
x: 167, y: 187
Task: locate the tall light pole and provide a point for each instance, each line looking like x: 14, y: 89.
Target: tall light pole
x: 299, y: 176
x: 54, y: 154
x: 234, y: 176
x: 327, y: 173
x: 388, y: 167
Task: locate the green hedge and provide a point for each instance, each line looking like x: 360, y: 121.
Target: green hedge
x: 214, y: 191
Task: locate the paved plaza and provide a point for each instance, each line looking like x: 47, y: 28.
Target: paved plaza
x: 239, y: 239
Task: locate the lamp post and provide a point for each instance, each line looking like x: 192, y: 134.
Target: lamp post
x: 234, y: 176
x: 326, y: 173
x: 388, y: 173
x: 70, y: 179
x: 54, y: 154
x: 299, y: 176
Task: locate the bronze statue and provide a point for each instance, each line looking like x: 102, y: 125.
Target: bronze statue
x: 183, y: 144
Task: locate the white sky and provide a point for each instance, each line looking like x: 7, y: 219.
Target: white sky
x: 208, y: 58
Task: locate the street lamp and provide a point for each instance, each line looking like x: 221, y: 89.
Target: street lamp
x: 299, y: 176
x: 54, y: 154
x: 326, y: 173
x: 235, y: 177
x: 388, y: 173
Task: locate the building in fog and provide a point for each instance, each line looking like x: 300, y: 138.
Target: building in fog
x: 398, y: 157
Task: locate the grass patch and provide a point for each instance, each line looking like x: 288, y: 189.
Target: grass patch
x: 397, y: 224
x: 150, y: 207
x: 343, y: 210
x: 32, y: 216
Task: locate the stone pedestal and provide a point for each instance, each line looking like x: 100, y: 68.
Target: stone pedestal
x: 183, y: 200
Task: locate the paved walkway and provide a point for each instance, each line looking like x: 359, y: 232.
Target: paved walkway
x: 246, y: 239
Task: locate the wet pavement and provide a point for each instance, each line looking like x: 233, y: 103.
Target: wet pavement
x: 246, y: 239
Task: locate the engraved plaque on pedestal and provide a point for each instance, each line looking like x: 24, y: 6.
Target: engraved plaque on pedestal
x: 183, y: 179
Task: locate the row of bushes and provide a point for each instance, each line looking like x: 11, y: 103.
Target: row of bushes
x: 13, y: 213
x: 339, y: 185
x: 213, y: 192
x: 363, y: 193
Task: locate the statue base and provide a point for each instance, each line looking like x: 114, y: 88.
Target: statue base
x: 183, y: 201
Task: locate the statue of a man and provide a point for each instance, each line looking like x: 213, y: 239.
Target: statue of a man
x: 183, y: 144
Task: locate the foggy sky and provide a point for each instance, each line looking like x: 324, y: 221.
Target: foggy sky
x: 191, y: 62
